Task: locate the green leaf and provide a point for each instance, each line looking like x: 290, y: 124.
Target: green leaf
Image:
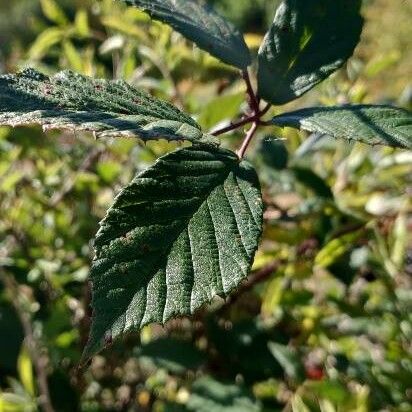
x: 108, y: 108
x: 336, y: 248
x: 210, y: 395
x: 221, y: 108
x: 274, y: 153
x: 183, y: 232
x: 45, y: 41
x: 201, y: 25
x: 176, y: 356
x: 25, y: 369
x: 312, y: 181
x: 289, y: 359
x: 368, y: 124
x: 53, y: 12
x: 308, y: 41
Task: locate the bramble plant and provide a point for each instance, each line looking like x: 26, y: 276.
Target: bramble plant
x: 186, y: 229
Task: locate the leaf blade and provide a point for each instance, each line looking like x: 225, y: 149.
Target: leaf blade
x: 306, y: 43
x: 202, y: 25
x: 369, y: 124
x: 107, y: 108
x: 181, y: 233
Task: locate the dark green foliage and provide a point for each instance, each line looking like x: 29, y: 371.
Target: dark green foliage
x: 308, y: 41
x: 201, y: 25
x: 174, y: 355
x: 318, y: 320
x: 182, y: 232
x: 72, y: 101
x: 274, y: 153
x: 368, y: 124
x: 210, y: 395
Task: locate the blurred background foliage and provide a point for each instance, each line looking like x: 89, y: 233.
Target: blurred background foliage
x: 325, y: 322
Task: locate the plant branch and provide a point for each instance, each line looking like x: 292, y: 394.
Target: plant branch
x: 265, y: 110
x: 248, y: 139
x: 38, y: 359
x: 253, y: 101
x: 246, y: 120
x: 235, y: 125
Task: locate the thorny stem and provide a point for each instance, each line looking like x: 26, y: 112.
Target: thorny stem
x: 253, y: 100
x: 248, y: 138
x: 235, y: 125
x: 255, y: 117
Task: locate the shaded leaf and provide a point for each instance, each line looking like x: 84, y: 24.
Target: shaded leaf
x: 177, y: 356
x: 312, y: 181
x: 209, y: 395
x: 308, y: 41
x: 108, y: 108
x: 369, y: 124
x: 274, y: 153
x: 10, y: 327
x: 182, y: 232
x: 237, y: 343
x: 201, y: 25
x: 289, y: 359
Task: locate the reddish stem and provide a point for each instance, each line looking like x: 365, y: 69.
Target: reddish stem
x: 235, y: 125
x: 247, y: 140
x: 253, y: 101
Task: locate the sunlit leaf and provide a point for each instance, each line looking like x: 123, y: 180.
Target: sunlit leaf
x: 201, y: 25
x: 107, y: 108
x: 182, y: 232
x: 369, y: 124
x: 54, y: 12
x: 25, y: 368
x: 307, y: 42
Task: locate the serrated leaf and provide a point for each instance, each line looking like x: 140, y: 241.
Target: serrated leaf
x: 183, y: 232
x: 386, y: 125
x: 307, y: 42
x: 202, y: 25
x: 108, y: 108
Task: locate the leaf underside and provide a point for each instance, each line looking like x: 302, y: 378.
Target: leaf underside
x: 202, y: 25
x: 369, y: 124
x: 108, y: 108
x: 184, y: 231
x: 307, y: 42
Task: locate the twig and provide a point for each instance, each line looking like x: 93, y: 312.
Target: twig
x: 265, y: 110
x: 235, y: 125
x: 247, y: 140
x: 39, y: 360
x: 253, y: 101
